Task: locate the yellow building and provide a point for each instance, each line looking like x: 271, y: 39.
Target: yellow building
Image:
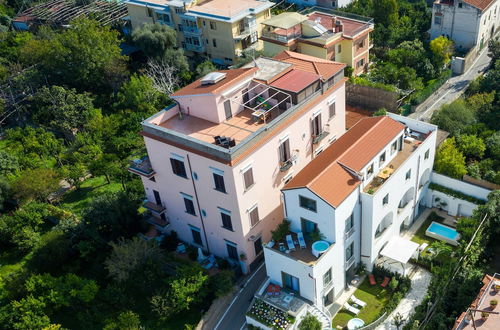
x: 218, y: 29
x: 331, y: 36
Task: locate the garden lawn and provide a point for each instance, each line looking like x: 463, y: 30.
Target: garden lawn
x: 420, y: 236
x: 375, y: 297
x: 77, y: 200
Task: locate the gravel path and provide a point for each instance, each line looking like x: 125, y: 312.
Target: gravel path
x: 419, y: 284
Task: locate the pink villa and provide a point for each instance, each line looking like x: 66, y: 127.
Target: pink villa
x: 219, y: 157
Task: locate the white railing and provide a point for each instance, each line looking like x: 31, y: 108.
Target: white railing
x: 349, y: 233
x: 349, y: 262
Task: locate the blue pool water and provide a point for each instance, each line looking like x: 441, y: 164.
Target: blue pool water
x: 443, y: 231
x: 321, y: 246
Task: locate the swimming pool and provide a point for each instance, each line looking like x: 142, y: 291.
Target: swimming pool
x: 443, y: 233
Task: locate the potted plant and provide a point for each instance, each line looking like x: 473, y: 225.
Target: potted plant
x: 493, y: 303
x: 243, y: 257
x: 484, y: 316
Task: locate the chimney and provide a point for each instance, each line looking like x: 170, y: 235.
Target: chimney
x: 339, y: 27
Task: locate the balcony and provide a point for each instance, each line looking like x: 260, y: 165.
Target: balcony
x: 401, y: 208
x: 142, y: 167
x: 194, y: 30
x: 285, y: 166
x: 349, y: 233
x: 194, y: 48
x: 285, y: 38
x: 349, y: 262
x: 159, y: 223
x: 318, y: 138
x: 154, y: 208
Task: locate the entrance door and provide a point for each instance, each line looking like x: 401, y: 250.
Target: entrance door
x: 157, y: 197
x: 227, y: 109
x: 290, y: 282
x: 258, y: 246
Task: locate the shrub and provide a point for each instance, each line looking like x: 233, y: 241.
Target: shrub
x: 281, y: 231
x: 310, y: 322
x: 222, y: 283
x: 393, y: 284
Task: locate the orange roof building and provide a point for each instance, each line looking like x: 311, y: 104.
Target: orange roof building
x: 349, y: 204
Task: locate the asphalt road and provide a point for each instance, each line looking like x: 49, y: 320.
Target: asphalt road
x: 234, y: 317
x: 453, y: 88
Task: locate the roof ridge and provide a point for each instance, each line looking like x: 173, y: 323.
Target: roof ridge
x: 316, y: 68
x: 336, y: 160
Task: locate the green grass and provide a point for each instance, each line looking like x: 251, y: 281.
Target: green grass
x: 375, y: 297
x: 420, y: 236
x: 77, y: 200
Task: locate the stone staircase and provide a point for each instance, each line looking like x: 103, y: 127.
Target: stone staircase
x: 322, y: 317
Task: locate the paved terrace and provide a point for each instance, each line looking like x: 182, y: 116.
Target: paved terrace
x: 305, y: 255
x: 493, y: 320
x: 238, y: 127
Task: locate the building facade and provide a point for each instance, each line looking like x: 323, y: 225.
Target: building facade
x: 329, y: 36
x: 218, y: 29
x: 468, y: 23
x: 321, y: 3
x: 219, y: 157
x: 355, y: 198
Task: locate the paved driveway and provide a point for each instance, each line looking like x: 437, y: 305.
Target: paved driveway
x: 234, y: 317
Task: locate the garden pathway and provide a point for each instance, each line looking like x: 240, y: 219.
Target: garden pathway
x: 419, y: 283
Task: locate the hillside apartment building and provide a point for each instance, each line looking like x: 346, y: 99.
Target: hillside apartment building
x: 335, y: 36
x: 468, y: 23
x: 360, y: 193
x: 219, y: 158
x: 321, y: 3
x: 218, y: 29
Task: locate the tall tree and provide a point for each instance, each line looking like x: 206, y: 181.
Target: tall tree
x: 449, y: 160
x: 87, y: 56
x: 62, y: 110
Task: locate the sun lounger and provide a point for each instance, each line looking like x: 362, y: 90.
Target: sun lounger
x: 385, y: 282
x: 289, y: 242
x: 302, y: 242
x: 351, y: 309
x: 357, y: 301
x: 372, y: 279
x: 423, y: 246
x: 181, y: 248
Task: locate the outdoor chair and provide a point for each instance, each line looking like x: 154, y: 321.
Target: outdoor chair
x: 385, y: 282
x: 302, y: 242
x: 357, y: 301
x: 351, y: 309
x: 372, y: 279
x: 289, y: 242
x: 209, y: 262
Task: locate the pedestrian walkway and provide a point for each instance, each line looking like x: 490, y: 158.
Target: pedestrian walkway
x: 419, y: 284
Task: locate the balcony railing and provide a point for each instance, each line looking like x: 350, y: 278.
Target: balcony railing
x: 349, y: 262
x: 195, y: 48
x: 159, y: 223
x: 317, y: 138
x: 349, y: 233
x: 192, y: 30
x: 154, y: 208
x: 142, y: 167
x: 279, y: 37
x: 285, y: 166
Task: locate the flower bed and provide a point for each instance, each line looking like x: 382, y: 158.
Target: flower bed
x: 270, y: 315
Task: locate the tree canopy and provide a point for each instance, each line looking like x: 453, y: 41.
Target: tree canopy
x: 449, y: 160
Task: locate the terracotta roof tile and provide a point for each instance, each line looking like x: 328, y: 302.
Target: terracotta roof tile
x: 232, y: 76
x: 327, y: 175
x: 480, y: 4
x: 324, y: 68
x: 295, y: 80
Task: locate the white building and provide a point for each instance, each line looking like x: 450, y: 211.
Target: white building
x: 467, y: 22
x: 360, y: 193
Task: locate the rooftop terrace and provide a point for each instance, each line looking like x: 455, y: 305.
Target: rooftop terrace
x: 410, y: 145
x: 305, y: 255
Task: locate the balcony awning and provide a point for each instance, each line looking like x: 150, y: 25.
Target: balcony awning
x: 399, y: 249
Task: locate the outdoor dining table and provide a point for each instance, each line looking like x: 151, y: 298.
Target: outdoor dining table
x: 385, y: 173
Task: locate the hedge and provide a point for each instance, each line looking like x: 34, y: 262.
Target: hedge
x: 432, y: 86
x: 456, y: 194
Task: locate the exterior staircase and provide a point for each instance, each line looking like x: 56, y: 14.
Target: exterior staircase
x: 325, y: 320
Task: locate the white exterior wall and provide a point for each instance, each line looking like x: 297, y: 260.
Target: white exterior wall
x: 331, y: 222
x: 459, y: 185
x: 466, y: 26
